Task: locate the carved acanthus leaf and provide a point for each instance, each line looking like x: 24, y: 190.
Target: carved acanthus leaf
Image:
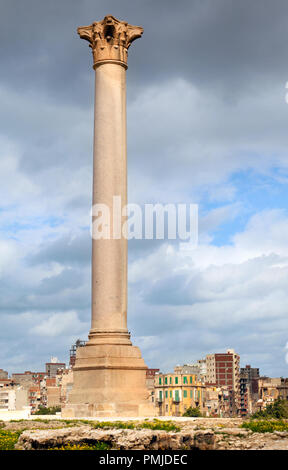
x: 110, y: 39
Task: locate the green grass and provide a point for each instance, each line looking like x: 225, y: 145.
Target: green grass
x: 265, y: 425
x: 112, y: 424
x: 8, y: 439
x: 154, y: 425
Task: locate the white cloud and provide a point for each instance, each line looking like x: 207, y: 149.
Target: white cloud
x: 191, y: 141
x: 238, y: 290
x: 57, y: 324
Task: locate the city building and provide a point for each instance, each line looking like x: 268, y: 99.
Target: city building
x: 53, y: 366
x: 198, y: 369
x: 66, y: 385
x: 34, y: 398
x: 271, y: 389
x: 248, y: 389
x: 53, y: 392
x: 24, y: 379
x: 222, y: 370
x: 211, y: 399
x: 27, y: 379
x: 13, y: 398
x: 150, y: 379
x: 3, y: 374
x: 37, y: 377
x: 283, y: 389
x: 176, y: 392
x: 5, y: 381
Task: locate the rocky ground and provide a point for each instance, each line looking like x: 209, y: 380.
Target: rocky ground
x: 192, y: 433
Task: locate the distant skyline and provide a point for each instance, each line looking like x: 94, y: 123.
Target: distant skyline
x: 207, y: 125
x: 66, y: 360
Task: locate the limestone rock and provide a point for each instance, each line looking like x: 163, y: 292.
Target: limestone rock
x: 127, y: 439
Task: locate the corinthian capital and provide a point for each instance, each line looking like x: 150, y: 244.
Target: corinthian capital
x: 110, y: 39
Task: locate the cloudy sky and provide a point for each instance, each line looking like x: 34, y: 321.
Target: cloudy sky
x: 207, y: 124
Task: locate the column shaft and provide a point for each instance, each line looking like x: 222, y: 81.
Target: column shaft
x: 109, y: 257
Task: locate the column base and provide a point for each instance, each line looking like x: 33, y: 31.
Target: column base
x: 109, y: 380
x: 108, y: 410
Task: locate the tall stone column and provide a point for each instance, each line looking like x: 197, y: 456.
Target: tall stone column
x: 109, y: 373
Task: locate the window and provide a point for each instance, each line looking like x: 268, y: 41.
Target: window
x: 170, y: 393
x: 176, y: 380
x: 170, y: 380
x: 185, y: 380
x: 190, y: 379
x: 166, y: 380
x: 166, y: 394
x: 185, y: 393
x: 160, y: 381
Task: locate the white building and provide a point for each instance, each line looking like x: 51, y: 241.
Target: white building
x: 13, y: 398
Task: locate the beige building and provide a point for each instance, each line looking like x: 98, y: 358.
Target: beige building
x: 66, y: 385
x: 150, y: 380
x: 3, y: 374
x: 13, y: 398
x: 212, y: 403
x: 25, y: 379
x: 270, y: 389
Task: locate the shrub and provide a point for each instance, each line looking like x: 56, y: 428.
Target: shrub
x: 192, y: 413
x: 278, y: 410
x: 265, y: 425
x: 48, y: 411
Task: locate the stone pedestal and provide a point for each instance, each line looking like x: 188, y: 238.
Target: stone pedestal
x: 109, y: 380
x: 109, y: 373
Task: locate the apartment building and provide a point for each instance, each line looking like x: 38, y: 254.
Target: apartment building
x: 28, y: 379
x: 150, y: 379
x: 176, y: 392
x: 249, y: 377
x: 222, y: 370
x: 53, y: 367
x: 198, y: 369
x: 34, y: 397
x: 3, y: 374
x: 13, y: 398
